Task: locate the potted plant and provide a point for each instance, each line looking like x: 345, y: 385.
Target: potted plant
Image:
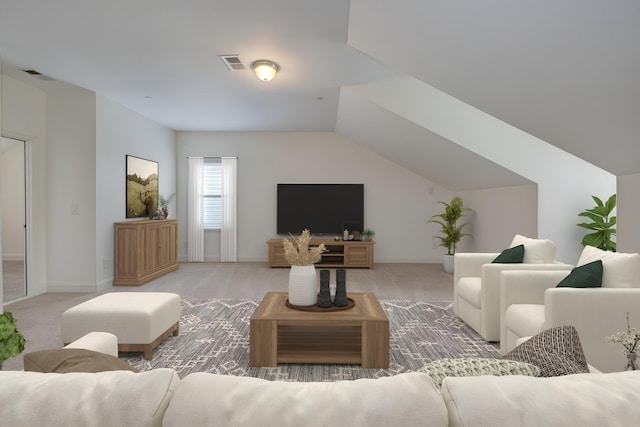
x: 368, y: 234
x: 451, y: 232
x: 163, y: 204
x: 11, y: 341
x: 603, y: 225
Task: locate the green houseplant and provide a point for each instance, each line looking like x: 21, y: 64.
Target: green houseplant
x: 11, y: 341
x: 603, y: 224
x: 451, y: 232
x: 368, y: 234
x: 163, y: 204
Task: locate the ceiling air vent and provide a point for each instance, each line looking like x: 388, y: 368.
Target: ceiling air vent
x: 37, y: 74
x: 232, y: 62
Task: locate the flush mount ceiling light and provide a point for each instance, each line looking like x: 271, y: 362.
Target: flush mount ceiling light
x: 265, y: 70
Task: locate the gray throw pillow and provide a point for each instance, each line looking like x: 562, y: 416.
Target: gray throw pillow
x: 556, y: 351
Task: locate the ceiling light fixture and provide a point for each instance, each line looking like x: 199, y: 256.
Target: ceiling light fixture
x: 265, y: 70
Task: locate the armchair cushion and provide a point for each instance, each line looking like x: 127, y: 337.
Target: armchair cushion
x: 619, y: 270
x: 536, y: 251
x: 556, y: 351
x: 585, y: 276
x: 514, y: 255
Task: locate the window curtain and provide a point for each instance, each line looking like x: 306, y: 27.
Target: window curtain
x: 229, y: 230
x: 195, y: 215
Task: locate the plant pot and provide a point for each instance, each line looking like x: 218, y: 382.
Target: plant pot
x: 447, y: 263
x: 303, y: 288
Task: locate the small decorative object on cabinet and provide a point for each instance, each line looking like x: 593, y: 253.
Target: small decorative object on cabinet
x: 368, y: 234
x: 144, y: 250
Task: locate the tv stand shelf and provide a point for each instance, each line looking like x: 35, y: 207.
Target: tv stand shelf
x: 341, y: 254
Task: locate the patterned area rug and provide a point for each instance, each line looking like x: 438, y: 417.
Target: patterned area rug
x: 214, y: 337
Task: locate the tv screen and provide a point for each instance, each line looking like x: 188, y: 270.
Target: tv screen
x: 322, y: 208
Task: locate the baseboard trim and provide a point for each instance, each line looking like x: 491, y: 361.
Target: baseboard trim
x: 71, y: 287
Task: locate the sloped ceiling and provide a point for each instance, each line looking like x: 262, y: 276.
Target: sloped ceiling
x: 566, y: 71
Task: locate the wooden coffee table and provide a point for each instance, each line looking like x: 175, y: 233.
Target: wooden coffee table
x: 359, y: 335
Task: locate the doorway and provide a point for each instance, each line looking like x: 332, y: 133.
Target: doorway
x: 13, y: 214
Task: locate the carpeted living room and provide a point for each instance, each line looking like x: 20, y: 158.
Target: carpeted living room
x: 156, y: 157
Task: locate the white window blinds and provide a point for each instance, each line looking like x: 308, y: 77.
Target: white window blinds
x: 212, y: 193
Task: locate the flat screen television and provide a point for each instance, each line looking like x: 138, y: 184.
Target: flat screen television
x: 322, y: 208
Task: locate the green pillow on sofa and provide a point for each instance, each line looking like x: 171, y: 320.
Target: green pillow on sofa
x: 514, y: 255
x: 585, y: 276
x: 439, y: 369
x: 65, y: 360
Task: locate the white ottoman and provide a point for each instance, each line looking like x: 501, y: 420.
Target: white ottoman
x: 140, y: 320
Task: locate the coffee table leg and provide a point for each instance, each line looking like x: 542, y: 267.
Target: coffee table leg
x: 375, y: 344
x: 263, y: 343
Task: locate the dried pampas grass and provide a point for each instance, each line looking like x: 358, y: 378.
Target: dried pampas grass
x: 298, y: 252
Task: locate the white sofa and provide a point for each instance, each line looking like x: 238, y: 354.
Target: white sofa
x: 531, y: 303
x: 159, y: 398
x: 476, y: 282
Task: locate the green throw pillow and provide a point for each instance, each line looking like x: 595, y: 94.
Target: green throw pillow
x: 513, y: 255
x: 585, y: 276
x: 439, y: 369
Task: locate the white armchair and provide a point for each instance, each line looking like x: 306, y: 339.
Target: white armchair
x: 530, y: 302
x: 476, y: 283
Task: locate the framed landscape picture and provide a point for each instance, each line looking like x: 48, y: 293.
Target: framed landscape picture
x: 142, y: 187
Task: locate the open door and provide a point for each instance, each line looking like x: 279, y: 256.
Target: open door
x: 13, y: 215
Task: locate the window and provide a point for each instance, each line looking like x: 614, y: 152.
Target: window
x: 212, y: 194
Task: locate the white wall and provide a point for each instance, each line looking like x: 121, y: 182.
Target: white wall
x: 24, y: 117
x: 71, y: 212
x: 397, y: 202
x: 628, y: 227
x: 500, y: 213
x: 120, y: 131
x: 565, y: 182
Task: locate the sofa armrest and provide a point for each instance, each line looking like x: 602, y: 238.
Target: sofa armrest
x: 103, y: 342
x: 468, y: 264
x: 596, y: 313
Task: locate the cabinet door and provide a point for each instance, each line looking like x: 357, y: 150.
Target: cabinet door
x: 127, y: 252
x: 356, y: 256
x: 166, y: 244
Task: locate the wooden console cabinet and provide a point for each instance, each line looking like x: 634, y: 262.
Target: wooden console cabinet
x: 144, y: 250
x: 341, y: 254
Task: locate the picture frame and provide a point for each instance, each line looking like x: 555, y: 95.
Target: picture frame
x: 141, y: 187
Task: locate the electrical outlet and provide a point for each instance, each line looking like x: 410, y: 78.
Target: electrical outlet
x: 75, y: 209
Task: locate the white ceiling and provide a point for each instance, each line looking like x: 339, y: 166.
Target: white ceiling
x: 567, y: 71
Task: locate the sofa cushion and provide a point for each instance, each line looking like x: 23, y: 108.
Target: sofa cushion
x: 439, y: 369
x: 619, y: 270
x: 116, y: 398
x: 514, y: 255
x: 585, y: 276
x: 556, y: 351
x: 409, y: 399
x: 525, y: 320
x: 73, y: 360
x: 585, y: 400
x: 536, y: 251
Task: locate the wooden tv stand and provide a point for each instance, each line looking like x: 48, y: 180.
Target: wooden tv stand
x: 341, y: 254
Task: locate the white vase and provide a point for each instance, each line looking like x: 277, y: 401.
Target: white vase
x: 303, y: 285
x: 447, y: 263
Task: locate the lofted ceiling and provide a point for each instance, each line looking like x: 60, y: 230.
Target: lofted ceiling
x: 566, y: 71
